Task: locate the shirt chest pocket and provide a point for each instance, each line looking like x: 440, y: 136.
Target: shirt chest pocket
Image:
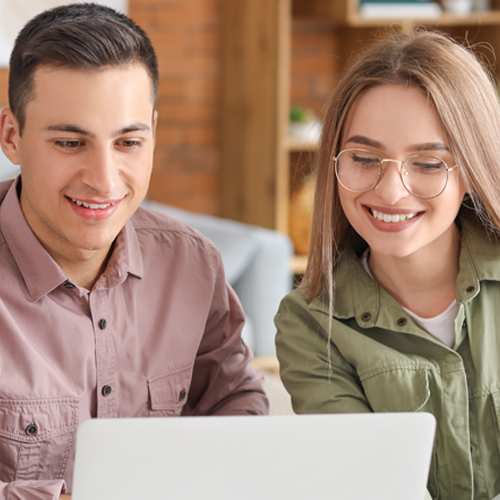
x: 495, y: 398
x: 400, y: 389
x: 168, y: 393
x: 397, y: 390
x: 36, y: 438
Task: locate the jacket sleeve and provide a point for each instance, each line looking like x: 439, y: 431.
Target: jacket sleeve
x: 224, y: 382
x: 32, y: 490
x: 317, y: 377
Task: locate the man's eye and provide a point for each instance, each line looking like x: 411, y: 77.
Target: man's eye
x: 131, y: 143
x: 69, y: 144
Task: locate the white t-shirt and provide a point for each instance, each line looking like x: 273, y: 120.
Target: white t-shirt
x: 441, y: 326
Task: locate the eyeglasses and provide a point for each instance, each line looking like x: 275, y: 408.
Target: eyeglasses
x: 424, y: 176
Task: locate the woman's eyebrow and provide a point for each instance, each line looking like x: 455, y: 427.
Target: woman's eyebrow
x: 423, y: 146
x: 365, y: 141
x: 429, y: 146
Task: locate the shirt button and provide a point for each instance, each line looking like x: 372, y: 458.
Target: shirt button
x: 31, y: 430
x: 402, y: 321
x: 366, y: 316
x: 470, y: 289
x: 102, y: 324
x: 69, y: 286
x: 106, y: 390
x: 182, y: 395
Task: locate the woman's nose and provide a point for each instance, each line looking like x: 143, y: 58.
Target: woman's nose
x: 390, y: 188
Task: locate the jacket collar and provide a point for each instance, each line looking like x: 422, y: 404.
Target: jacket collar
x: 357, y: 295
x: 40, y: 272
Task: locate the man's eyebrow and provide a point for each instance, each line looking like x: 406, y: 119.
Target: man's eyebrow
x: 132, y: 128
x: 69, y: 127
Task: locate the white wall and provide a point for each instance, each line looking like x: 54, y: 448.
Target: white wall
x: 14, y: 14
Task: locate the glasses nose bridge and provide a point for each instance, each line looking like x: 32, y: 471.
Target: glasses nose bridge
x: 390, y: 160
x: 399, y: 170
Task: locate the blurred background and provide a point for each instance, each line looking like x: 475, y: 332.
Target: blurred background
x: 243, y: 84
x: 235, y: 73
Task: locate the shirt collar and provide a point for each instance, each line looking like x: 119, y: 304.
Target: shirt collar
x: 356, y: 294
x: 125, y: 259
x: 40, y: 272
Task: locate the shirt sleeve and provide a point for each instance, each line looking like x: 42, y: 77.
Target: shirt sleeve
x: 224, y: 382
x: 316, y: 375
x: 32, y: 490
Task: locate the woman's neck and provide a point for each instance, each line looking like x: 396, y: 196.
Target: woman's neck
x: 425, y: 281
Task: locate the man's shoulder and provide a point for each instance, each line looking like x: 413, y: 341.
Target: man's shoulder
x: 4, y: 188
x: 150, y: 223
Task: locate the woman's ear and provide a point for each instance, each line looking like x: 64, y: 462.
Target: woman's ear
x: 10, y: 136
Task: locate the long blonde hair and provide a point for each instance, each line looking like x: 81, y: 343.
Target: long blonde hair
x: 466, y: 101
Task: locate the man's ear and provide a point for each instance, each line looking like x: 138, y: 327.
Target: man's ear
x: 10, y: 136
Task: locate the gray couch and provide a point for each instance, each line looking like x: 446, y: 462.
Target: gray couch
x: 257, y: 266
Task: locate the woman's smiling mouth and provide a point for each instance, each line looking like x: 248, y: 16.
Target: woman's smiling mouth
x: 392, y: 217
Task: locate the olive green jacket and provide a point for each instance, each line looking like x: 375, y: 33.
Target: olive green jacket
x: 381, y: 361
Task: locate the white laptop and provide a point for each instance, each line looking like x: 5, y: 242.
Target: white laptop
x: 309, y: 457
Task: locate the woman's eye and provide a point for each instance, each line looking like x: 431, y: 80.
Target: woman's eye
x: 428, y: 167
x: 365, y: 161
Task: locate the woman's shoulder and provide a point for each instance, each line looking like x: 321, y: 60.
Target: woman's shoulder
x: 480, y: 253
x: 295, y: 300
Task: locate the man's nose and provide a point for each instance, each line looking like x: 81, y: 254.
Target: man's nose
x: 390, y: 188
x: 101, y: 170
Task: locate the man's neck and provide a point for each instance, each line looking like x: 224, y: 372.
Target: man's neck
x: 83, y: 271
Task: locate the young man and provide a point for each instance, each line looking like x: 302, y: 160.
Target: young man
x: 106, y: 309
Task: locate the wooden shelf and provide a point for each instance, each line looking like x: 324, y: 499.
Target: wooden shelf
x: 296, y: 145
x: 257, y: 179
x: 298, y: 264
x: 266, y: 364
x: 488, y: 18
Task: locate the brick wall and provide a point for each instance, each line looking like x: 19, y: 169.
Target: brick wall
x: 315, y: 63
x: 187, y: 37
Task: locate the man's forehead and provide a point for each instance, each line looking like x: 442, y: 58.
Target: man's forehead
x: 65, y: 98
x: 47, y: 74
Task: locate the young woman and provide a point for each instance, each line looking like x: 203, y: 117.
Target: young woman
x: 399, y: 309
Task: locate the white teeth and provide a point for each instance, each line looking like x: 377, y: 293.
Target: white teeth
x: 393, y: 217
x: 93, y: 206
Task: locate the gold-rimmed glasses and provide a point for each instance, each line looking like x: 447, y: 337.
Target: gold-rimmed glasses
x: 424, y: 176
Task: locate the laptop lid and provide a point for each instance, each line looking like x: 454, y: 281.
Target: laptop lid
x: 347, y: 456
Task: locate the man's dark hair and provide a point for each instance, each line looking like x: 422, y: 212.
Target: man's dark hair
x: 84, y: 36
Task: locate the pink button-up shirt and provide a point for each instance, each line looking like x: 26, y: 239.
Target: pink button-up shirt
x: 157, y: 336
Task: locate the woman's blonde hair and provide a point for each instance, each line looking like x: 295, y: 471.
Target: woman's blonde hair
x: 465, y: 99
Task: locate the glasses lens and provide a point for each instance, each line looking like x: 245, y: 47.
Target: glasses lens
x: 357, y: 169
x: 424, y: 176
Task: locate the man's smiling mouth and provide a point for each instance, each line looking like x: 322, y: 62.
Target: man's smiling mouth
x: 93, y: 206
